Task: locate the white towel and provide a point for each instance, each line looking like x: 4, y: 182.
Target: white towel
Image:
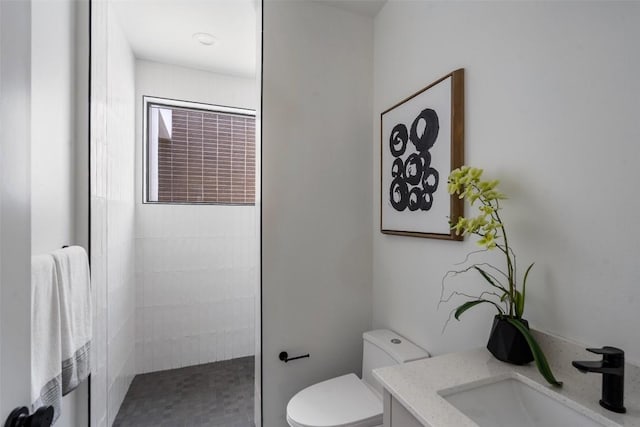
x: 46, y: 363
x: 74, y: 287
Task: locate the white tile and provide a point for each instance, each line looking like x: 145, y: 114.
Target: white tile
x: 186, y: 288
x: 158, y: 289
x: 160, y: 327
x: 228, y: 344
x: 178, y: 252
x: 227, y: 310
x: 220, y: 345
x: 200, y: 318
x: 161, y: 355
x: 190, y: 316
x: 208, y: 224
x: 175, y: 325
x: 198, y: 302
x: 242, y: 342
x: 229, y: 252
x: 191, y: 221
x: 200, y: 292
x: 193, y: 350
x: 248, y: 308
x: 220, y: 285
x: 149, y: 221
x: 139, y: 289
x: 139, y: 357
x: 215, y: 316
x: 139, y: 256
x: 207, y: 348
x: 147, y: 329
x: 172, y: 353
x: 147, y: 358
x: 149, y: 255
x: 237, y: 320
x: 234, y: 283
x: 139, y: 331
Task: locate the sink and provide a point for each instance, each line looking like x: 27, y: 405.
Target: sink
x: 508, y: 402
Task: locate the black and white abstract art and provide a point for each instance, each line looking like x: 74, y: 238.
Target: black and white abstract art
x: 416, y: 161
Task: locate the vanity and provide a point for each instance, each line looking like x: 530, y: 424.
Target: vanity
x: 472, y: 388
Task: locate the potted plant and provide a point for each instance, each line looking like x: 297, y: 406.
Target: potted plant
x: 510, y: 339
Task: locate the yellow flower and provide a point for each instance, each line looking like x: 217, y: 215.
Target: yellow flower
x: 492, y: 225
x: 487, y: 209
x: 487, y: 241
x: 453, y: 187
x: 475, y: 173
x: 465, y: 181
x: 460, y: 225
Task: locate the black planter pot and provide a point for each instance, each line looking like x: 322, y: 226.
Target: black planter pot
x: 507, y: 344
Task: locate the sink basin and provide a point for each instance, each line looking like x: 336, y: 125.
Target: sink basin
x: 509, y: 402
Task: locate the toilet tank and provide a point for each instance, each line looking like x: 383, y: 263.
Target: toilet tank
x: 383, y: 347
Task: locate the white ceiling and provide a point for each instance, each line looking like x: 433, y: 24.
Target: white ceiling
x: 162, y: 31
x: 361, y: 7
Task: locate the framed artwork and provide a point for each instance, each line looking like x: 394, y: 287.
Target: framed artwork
x: 422, y: 141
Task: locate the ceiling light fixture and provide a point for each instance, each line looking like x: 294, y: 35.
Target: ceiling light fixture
x: 205, y: 39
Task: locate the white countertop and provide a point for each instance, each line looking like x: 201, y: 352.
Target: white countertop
x: 416, y: 384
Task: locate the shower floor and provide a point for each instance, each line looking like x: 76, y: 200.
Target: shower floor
x: 212, y: 394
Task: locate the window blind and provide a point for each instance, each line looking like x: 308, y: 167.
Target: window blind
x: 209, y: 158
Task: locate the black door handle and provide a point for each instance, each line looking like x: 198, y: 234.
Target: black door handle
x: 19, y: 417
x: 284, y: 356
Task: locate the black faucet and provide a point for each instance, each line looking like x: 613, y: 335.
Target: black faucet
x: 612, y: 369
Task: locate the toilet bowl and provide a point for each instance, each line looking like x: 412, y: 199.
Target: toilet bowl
x: 348, y: 401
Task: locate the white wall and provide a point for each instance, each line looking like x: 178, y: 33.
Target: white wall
x: 52, y: 125
x: 15, y: 204
x: 196, y: 265
x: 113, y: 213
x: 120, y: 216
x: 552, y: 100
x: 53, y: 143
x: 81, y: 152
x: 316, y: 195
x: 257, y: 310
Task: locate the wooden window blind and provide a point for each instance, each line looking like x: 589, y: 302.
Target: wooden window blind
x: 208, y: 158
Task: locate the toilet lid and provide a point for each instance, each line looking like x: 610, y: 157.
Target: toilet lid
x: 338, y: 402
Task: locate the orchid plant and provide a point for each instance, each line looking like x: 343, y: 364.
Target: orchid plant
x: 506, y: 295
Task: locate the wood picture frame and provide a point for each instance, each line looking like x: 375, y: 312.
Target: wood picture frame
x: 421, y: 142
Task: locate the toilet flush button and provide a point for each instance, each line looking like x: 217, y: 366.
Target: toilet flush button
x: 395, y: 341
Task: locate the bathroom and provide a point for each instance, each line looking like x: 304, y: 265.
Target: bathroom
x: 551, y: 81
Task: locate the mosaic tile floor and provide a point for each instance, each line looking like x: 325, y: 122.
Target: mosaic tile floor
x: 213, y: 394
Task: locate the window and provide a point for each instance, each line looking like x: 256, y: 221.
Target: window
x: 198, y: 153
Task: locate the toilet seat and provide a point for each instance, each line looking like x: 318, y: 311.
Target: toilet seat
x: 344, y: 401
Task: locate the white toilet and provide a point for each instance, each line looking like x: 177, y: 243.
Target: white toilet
x: 349, y: 401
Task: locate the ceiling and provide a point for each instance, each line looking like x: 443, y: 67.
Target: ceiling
x: 162, y: 31
x: 361, y: 7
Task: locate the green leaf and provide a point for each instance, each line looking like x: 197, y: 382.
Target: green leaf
x: 467, y: 305
x: 524, y: 287
x: 519, y: 303
x: 538, y: 355
x: 489, y: 279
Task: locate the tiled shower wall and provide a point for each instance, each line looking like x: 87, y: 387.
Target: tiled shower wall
x: 196, y: 266
x: 195, y: 294
x: 112, y: 214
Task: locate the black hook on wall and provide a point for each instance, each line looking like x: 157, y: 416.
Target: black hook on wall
x: 284, y: 356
